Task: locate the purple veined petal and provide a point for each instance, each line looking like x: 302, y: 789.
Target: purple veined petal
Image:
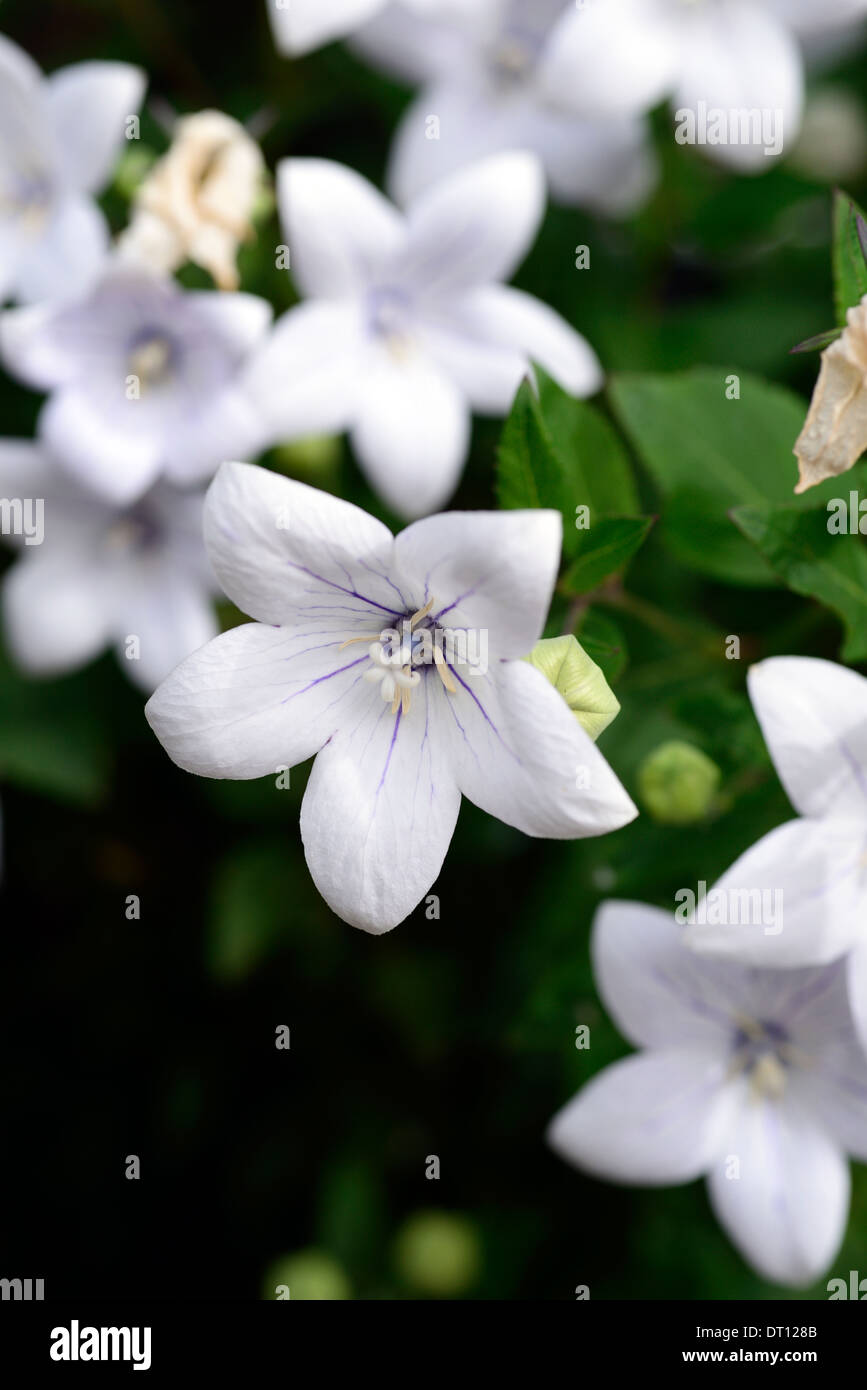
x: 288, y: 553
x: 796, y: 897
x: 257, y: 698
x: 490, y: 571
x: 519, y: 753
x: 380, y: 809
x: 780, y: 1188
x: 653, y: 1119
x: 813, y: 715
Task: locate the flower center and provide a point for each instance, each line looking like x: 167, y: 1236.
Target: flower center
x: 389, y: 312
x: 396, y: 653
x: 763, y: 1051
x: 150, y: 359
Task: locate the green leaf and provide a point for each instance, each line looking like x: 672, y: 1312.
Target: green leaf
x: 559, y: 452
x: 604, y: 548
x: 597, y: 467
x: 827, y: 567
x: 707, y: 454
x: 850, y: 270
x: 529, y: 473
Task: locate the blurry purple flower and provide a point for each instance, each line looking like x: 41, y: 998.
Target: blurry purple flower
x: 754, y: 1078
x: 144, y: 379
x: 301, y: 25
x: 399, y: 733
x: 135, y: 578
x: 59, y: 139
x: 406, y: 328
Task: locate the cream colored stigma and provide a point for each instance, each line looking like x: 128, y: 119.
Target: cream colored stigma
x: 150, y: 361
x: 767, y: 1070
x: 392, y: 667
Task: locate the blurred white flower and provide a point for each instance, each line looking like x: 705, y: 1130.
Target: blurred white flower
x: 196, y: 202
x: 301, y: 25
x: 341, y: 663
x: 406, y: 328
x: 813, y: 715
x: 59, y: 139
x: 495, y: 79
x: 144, y: 378
x: 135, y: 578
x: 754, y: 1078
x: 727, y: 56
x: 832, y: 145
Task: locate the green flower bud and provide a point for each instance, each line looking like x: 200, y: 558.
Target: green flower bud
x: 309, y: 1275
x: 678, y: 783
x: 438, y: 1253
x: 133, y: 168
x: 313, y: 455
x: 564, y: 662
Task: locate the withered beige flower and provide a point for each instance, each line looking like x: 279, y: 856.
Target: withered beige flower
x: 196, y: 203
x: 835, y: 431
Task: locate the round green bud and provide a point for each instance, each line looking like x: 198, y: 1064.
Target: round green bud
x: 313, y: 455
x: 564, y: 662
x: 309, y: 1275
x: 678, y: 783
x: 438, y: 1253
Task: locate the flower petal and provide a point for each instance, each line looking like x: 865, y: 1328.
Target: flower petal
x: 171, y: 616
x: 55, y: 610
x: 652, y: 1119
x: 612, y: 59
x: 796, y: 897
x: 286, y: 552
x: 499, y: 316
x: 239, y: 320
x: 306, y: 24
x: 341, y: 230
x: 379, y: 812
x: 69, y: 255
x: 256, y: 699
x: 519, y: 753
x: 813, y: 715
x: 89, y: 105
x: 475, y: 226
x: 118, y: 464
x: 491, y: 571
x: 411, y: 432
x: 305, y: 379
x: 785, y: 1203
x: 737, y: 57
x: 657, y: 992
x: 857, y: 988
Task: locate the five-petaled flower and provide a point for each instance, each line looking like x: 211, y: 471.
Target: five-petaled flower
x: 813, y: 715
x: 405, y: 327
x: 59, y: 139
x: 102, y: 575
x: 400, y: 730
x: 754, y: 1078
x: 144, y: 378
